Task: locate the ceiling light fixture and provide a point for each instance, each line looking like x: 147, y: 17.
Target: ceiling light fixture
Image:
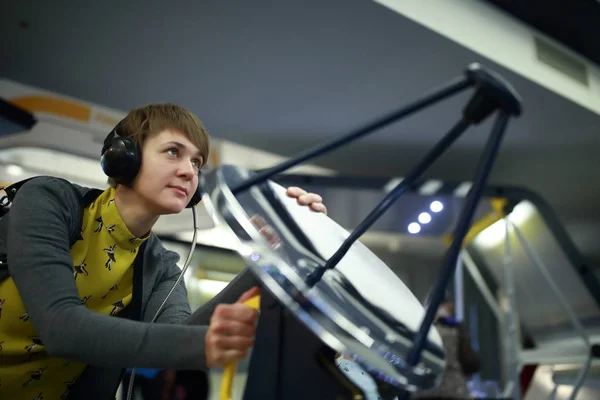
x: 436, y: 206
x: 414, y: 228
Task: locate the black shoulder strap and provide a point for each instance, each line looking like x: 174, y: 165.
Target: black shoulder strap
x: 85, y: 201
x: 10, y: 192
x: 90, y: 196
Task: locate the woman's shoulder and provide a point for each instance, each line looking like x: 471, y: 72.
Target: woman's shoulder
x: 47, y: 195
x: 51, y: 188
x: 41, y: 185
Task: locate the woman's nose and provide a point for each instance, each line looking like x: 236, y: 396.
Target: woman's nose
x: 187, y: 168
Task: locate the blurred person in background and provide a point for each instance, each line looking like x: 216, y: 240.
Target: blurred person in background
x: 461, y: 359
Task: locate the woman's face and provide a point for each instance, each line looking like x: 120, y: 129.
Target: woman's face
x: 168, y: 176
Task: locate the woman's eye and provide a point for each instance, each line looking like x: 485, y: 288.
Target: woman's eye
x: 196, y: 164
x: 172, y: 152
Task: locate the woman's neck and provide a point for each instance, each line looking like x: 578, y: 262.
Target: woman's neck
x: 134, y: 212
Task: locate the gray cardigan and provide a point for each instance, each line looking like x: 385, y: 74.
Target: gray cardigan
x: 35, y: 237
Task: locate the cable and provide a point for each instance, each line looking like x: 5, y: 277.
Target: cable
x: 185, y: 267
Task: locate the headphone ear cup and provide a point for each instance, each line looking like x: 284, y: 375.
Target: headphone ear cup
x: 197, y: 197
x: 121, y: 160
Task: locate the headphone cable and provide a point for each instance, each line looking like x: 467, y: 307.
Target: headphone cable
x: 185, y: 267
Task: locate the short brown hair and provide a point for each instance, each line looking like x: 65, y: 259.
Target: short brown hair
x: 142, y: 122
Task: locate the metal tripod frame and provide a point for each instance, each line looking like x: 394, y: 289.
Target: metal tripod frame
x: 491, y: 94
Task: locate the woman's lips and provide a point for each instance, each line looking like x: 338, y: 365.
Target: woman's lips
x: 180, y: 190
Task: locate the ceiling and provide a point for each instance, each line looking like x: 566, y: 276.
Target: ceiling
x: 284, y: 76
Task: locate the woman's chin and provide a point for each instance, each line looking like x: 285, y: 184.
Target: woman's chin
x: 172, y: 207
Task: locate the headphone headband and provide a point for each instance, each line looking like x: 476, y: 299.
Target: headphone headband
x: 121, y: 160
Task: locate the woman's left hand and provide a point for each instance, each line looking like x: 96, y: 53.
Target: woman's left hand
x: 313, y: 200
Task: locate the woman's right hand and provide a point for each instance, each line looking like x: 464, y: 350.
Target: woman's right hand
x: 231, y: 331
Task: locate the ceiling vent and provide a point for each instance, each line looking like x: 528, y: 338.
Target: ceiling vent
x: 562, y: 61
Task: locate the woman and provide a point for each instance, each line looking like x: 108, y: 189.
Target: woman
x: 76, y: 312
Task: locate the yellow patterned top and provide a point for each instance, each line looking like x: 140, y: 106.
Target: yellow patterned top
x: 102, y: 260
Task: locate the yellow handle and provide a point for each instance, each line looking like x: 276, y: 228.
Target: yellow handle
x: 231, y: 367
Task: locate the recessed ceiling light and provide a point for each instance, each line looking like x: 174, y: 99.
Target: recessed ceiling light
x: 413, y: 228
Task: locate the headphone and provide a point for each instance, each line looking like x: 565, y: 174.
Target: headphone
x: 122, y: 158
